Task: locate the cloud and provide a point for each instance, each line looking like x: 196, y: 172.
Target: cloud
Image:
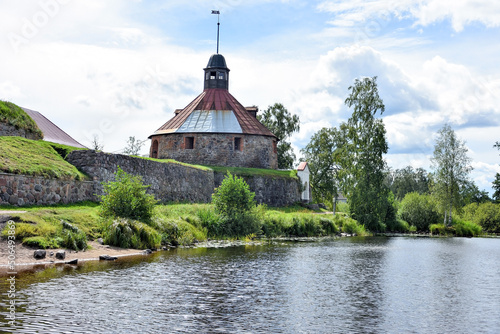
x: 423, y: 13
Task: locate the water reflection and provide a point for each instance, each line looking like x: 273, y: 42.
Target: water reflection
x: 365, y: 285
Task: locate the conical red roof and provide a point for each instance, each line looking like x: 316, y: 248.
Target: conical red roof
x: 218, y: 106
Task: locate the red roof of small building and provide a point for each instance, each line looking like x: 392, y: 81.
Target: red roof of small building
x: 52, y: 132
x: 302, y: 166
x: 217, y: 99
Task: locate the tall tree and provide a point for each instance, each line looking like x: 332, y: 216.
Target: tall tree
x: 407, y: 180
x: 452, y: 168
x: 363, y: 164
x: 496, y: 183
x: 283, y: 124
x: 323, y: 154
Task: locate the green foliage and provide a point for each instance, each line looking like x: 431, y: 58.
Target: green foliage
x: 350, y: 226
x: 419, y: 210
x: 487, y: 215
x: 407, y: 180
x: 16, y: 116
x: 234, y: 202
x: 41, y: 242
x: 466, y: 229
x: 362, y: 163
x: 437, y: 229
x: 126, y: 233
x: 496, y: 187
x: 249, y: 172
x: 37, y: 158
x: 282, y: 124
x: 74, y: 240
x: 399, y: 225
x: 126, y: 197
x: 323, y: 156
x: 452, y: 168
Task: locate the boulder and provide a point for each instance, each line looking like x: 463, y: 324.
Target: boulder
x: 39, y: 254
x: 75, y: 261
x: 61, y: 255
x: 107, y: 258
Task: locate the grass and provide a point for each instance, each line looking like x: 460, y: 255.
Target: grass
x: 172, y: 161
x: 16, y: 116
x: 174, y: 224
x: 37, y: 158
x: 241, y: 171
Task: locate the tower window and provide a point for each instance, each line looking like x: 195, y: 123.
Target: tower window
x: 212, y: 75
x: 221, y: 75
x: 188, y: 143
x: 237, y: 144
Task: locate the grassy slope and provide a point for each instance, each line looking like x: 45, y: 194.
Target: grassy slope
x: 255, y: 171
x: 37, y: 158
x: 14, y: 115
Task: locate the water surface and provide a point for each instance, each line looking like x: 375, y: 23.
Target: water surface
x: 349, y: 285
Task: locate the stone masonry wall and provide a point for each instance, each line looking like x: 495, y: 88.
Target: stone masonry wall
x: 217, y: 149
x: 10, y: 130
x: 29, y: 190
x: 273, y: 191
x: 168, y: 181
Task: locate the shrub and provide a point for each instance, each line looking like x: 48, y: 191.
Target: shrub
x: 127, y: 233
x: 126, y: 197
x: 399, y: 225
x: 350, y: 226
x: 419, y: 210
x: 41, y: 242
x: 487, y: 216
x: 234, y: 203
x: 438, y: 229
x: 466, y: 229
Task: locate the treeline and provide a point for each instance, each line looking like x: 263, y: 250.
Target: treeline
x: 348, y: 160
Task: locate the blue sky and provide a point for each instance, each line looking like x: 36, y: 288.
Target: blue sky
x: 120, y: 68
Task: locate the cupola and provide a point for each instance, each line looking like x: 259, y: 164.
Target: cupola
x: 216, y: 73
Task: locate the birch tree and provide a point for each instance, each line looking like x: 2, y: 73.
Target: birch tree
x: 452, y: 167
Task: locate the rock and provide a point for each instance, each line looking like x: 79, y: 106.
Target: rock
x: 107, y: 258
x: 39, y: 254
x: 100, y: 241
x: 51, y: 254
x: 61, y: 255
x: 148, y: 251
x: 75, y: 261
x: 322, y: 206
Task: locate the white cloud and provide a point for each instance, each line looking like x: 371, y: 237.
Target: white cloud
x: 424, y: 13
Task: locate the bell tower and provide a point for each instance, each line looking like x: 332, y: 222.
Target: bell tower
x: 216, y: 73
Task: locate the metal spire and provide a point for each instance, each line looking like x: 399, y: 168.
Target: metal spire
x: 218, y: 25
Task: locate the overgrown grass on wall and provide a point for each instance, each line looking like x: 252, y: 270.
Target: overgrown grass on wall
x: 17, y: 117
x: 37, y: 158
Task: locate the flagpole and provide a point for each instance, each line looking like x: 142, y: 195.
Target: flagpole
x: 218, y: 25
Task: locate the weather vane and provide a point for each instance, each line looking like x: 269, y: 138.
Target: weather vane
x: 218, y: 25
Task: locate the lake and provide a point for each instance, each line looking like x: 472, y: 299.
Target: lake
x: 347, y: 285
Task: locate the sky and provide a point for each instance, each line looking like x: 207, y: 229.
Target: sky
x: 115, y: 69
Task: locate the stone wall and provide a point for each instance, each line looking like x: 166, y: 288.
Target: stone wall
x: 10, y: 130
x: 217, y: 149
x: 168, y: 181
x: 29, y: 190
x: 273, y: 191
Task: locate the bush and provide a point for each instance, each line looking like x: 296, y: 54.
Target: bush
x: 437, y: 229
x: 419, y: 210
x: 234, y: 203
x: 350, y: 226
x: 127, y: 233
x: 399, y: 225
x: 126, y: 197
x: 466, y: 229
x: 487, y: 216
x: 41, y: 242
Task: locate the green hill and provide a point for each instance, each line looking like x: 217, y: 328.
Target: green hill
x: 37, y: 158
x: 16, y: 116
